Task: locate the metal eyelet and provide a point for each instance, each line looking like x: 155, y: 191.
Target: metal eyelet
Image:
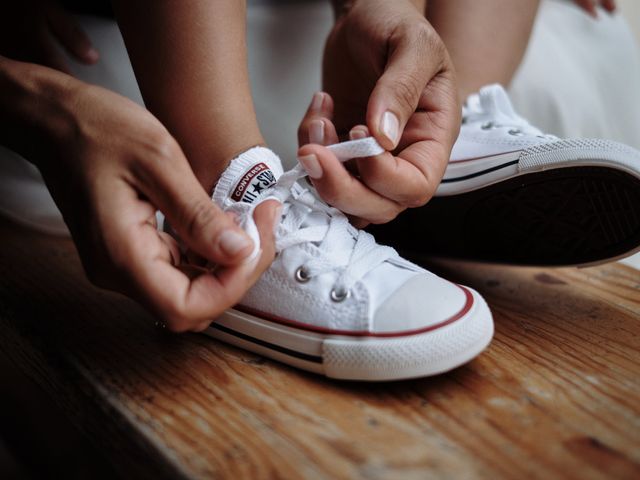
x: 487, y: 126
x: 302, y: 275
x: 340, y: 295
x: 515, y: 132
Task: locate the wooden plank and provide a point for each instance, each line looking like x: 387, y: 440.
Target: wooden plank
x: 557, y: 395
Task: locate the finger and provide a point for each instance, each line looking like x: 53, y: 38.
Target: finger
x: 182, y: 299
x: 322, y: 132
x: 237, y: 280
x: 416, y: 58
x: 170, y: 184
x: 609, y: 5
x: 341, y: 189
x: 358, y: 132
x: 192, y: 257
x: 358, y: 222
x: 191, y: 301
x: 431, y: 132
x: 71, y: 36
x: 589, y: 6
x: 392, y: 177
x: 321, y: 107
x: 426, y: 144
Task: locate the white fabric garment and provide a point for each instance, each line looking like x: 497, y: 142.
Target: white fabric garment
x: 580, y: 77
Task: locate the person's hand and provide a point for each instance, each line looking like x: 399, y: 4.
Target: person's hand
x: 29, y: 28
x: 590, y: 6
x: 386, y: 73
x: 114, y: 166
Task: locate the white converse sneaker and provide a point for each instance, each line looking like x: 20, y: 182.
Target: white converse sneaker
x: 515, y: 195
x: 334, y: 302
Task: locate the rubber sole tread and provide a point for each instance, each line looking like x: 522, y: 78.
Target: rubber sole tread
x: 565, y: 216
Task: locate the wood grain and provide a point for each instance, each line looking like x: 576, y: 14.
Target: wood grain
x: 557, y: 395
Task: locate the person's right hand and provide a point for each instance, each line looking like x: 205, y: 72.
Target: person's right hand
x: 388, y: 75
x: 114, y: 166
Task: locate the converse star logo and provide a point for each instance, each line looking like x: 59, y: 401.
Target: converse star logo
x: 253, y: 182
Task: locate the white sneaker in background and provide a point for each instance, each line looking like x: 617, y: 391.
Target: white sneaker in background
x: 515, y: 195
x: 335, y: 302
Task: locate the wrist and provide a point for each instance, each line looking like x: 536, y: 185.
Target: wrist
x: 36, y: 111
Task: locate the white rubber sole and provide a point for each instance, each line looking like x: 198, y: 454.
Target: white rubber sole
x: 469, y: 175
x: 365, y: 358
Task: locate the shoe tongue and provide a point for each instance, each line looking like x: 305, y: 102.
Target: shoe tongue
x: 495, y: 102
x: 247, y: 176
x: 472, y: 105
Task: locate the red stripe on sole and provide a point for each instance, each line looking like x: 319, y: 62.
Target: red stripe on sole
x: 311, y: 328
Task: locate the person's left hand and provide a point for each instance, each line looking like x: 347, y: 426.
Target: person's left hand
x: 387, y: 74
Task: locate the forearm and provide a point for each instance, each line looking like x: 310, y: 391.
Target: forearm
x: 34, y: 108
x: 190, y: 60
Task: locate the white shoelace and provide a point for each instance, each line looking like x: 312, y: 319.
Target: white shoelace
x: 329, y: 233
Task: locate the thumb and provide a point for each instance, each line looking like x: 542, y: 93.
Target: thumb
x: 206, y: 229
x: 210, y: 232
x: 413, y: 61
x: 200, y: 223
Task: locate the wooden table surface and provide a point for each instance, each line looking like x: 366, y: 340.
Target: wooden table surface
x: 556, y: 395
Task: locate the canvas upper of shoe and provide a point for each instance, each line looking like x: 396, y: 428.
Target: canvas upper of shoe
x: 491, y: 126
x: 327, y: 274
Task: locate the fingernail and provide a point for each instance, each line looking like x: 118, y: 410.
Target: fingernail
x: 311, y: 165
x: 232, y: 242
x: 92, y: 55
x: 316, y: 132
x: 316, y: 103
x: 390, y: 127
x: 357, y: 134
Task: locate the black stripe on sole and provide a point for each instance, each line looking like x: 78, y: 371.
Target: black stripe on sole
x: 477, y: 174
x: 287, y: 351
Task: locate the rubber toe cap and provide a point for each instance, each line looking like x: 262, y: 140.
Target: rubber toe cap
x: 424, y: 301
